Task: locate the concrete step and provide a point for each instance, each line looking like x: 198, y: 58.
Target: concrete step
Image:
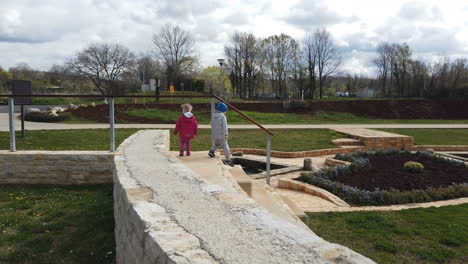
x: 346, y: 142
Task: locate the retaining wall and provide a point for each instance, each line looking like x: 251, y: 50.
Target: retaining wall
x: 56, y: 167
x: 166, y: 213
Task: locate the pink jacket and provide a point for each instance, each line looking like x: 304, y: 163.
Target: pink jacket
x: 186, y: 126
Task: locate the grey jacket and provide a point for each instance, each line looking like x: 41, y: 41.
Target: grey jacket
x: 219, y: 128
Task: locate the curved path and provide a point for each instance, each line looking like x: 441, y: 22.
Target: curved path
x: 230, y: 227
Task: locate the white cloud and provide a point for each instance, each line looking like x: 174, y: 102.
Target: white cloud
x: 52, y: 31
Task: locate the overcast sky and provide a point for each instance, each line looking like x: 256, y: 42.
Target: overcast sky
x: 47, y: 32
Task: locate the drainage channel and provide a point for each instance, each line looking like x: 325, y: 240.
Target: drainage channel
x: 256, y: 169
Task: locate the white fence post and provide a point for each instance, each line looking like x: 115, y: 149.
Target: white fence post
x: 11, y: 119
x: 111, y: 122
x: 268, y: 158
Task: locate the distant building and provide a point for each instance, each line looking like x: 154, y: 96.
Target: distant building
x: 366, y: 93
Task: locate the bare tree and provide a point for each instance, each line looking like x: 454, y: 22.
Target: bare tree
x: 103, y: 64
x: 383, y: 63
x: 311, y: 58
x: 328, y: 56
x: 280, y: 49
x: 243, y: 58
x: 175, y: 48
x: 299, y: 70
x: 148, y: 66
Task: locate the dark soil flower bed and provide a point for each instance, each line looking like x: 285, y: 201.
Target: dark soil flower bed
x: 378, y: 178
x: 387, y: 172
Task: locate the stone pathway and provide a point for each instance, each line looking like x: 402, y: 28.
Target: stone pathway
x: 231, y: 229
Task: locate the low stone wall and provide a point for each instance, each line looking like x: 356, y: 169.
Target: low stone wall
x: 56, y: 167
x: 144, y: 231
x: 297, y: 154
x: 376, y: 143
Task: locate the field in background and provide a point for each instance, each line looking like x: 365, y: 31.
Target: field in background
x: 98, y: 139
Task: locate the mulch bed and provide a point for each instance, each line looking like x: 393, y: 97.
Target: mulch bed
x: 100, y: 113
x: 386, y: 172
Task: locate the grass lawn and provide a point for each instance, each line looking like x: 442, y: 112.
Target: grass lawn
x: 429, y: 235
x: 56, y: 224
x: 98, y: 139
x: 288, y: 118
x: 436, y: 136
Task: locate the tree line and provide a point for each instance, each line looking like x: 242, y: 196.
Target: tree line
x: 291, y: 67
x: 400, y: 75
x: 277, y: 65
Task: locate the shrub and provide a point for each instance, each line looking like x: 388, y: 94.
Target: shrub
x: 45, y: 117
x: 414, y: 167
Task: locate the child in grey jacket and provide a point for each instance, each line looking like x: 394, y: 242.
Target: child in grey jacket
x: 220, y: 133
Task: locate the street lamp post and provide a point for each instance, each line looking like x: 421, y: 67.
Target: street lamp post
x: 221, y: 62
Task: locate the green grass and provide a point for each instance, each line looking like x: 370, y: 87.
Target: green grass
x: 98, y: 139
x: 289, y: 118
x: 56, y: 224
x: 437, y: 136
x: 64, y: 100
x: 430, y: 235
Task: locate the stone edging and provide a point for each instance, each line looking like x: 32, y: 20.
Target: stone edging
x: 440, y: 147
x: 336, y: 162
x: 312, y: 190
x: 297, y: 154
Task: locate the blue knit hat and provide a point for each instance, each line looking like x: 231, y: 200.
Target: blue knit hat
x: 222, y: 107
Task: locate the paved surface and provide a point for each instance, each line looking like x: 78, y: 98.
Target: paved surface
x: 232, y: 230
x: 40, y: 126
x: 212, y: 170
x: 367, y: 133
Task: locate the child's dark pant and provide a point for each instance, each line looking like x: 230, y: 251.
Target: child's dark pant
x: 185, y: 143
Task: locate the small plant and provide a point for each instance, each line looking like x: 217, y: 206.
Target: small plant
x: 414, y: 167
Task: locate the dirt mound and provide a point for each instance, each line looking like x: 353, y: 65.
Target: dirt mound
x: 397, y: 109
x: 100, y: 113
x: 386, y: 172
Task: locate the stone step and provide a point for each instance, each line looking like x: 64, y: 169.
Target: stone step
x: 346, y: 142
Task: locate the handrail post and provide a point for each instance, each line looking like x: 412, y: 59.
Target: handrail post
x: 268, y: 155
x: 212, y: 107
x: 11, y: 119
x: 111, y: 122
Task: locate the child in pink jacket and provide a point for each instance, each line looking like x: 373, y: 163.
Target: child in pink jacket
x: 187, y: 128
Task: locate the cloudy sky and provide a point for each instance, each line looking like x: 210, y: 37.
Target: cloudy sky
x: 47, y: 32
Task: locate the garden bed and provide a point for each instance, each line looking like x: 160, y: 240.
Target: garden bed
x: 387, y: 172
x: 378, y: 178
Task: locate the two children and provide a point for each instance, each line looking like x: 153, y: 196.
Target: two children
x: 187, y: 128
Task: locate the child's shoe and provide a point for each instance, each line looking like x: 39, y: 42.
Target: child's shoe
x: 181, y: 154
x: 228, y: 162
x: 188, y: 153
x: 211, y: 154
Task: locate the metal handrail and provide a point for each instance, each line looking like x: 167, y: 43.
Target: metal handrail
x: 111, y: 115
x: 105, y: 96
x: 244, y: 115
